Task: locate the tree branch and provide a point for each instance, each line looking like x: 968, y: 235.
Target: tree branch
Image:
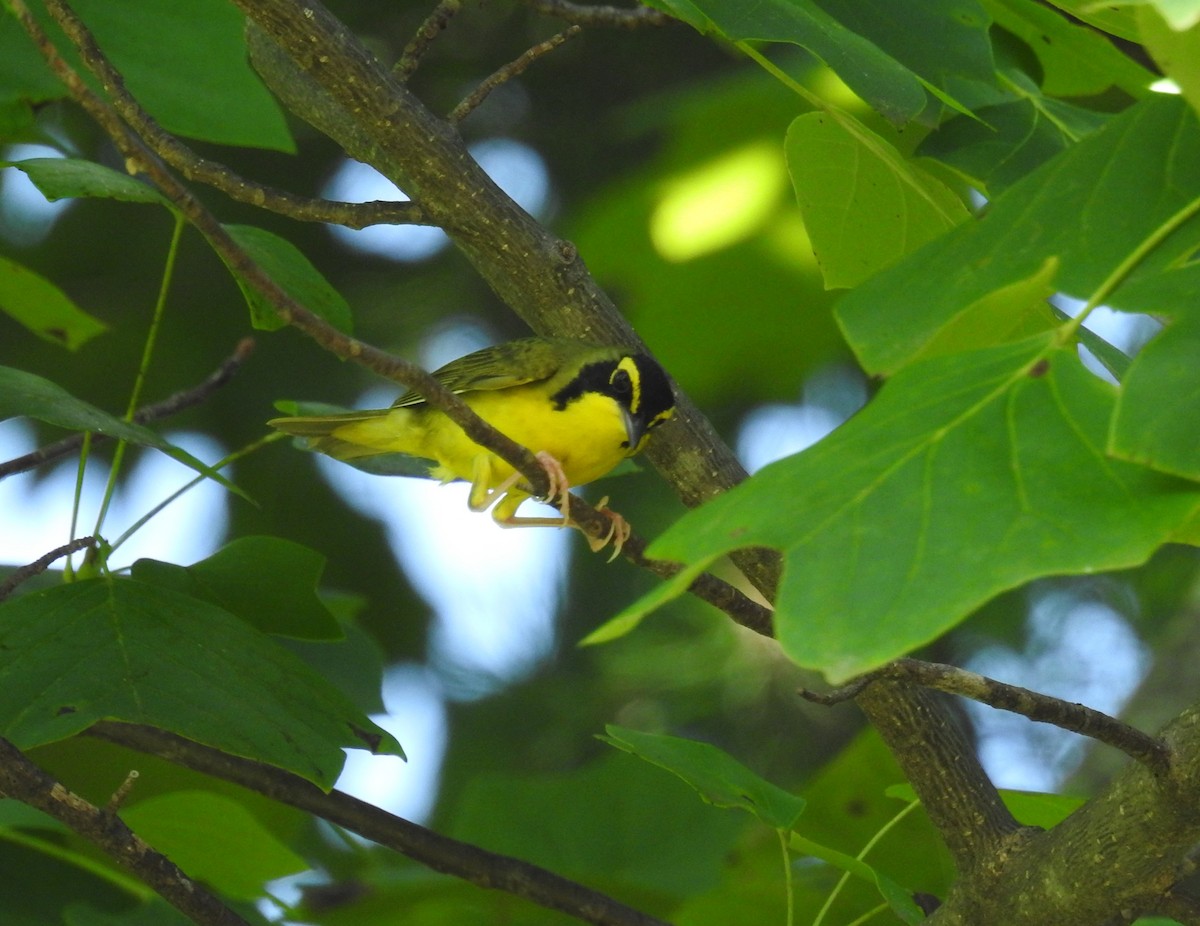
x: 1038, y: 707
x: 223, y: 178
x: 438, y: 852
x: 325, y: 76
x: 1118, y: 852
x: 386, y: 365
x: 508, y: 72
x: 613, y: 16
x: 944, y: 770
x: 42, y: 563
x: 22, y: 779
x: 430, y: 29
x: 169, y: 406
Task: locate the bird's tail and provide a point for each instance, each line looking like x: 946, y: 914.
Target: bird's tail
x: 343, y: 437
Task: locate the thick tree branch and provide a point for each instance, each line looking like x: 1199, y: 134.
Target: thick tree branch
x: 394, y: 368
x: 1039, y: 707
x: 169, y: 406
x: 1119, y: 852
x: 22, y: 779
x: 944, y: 770
x: 441, y: 853
x: 325, y: 76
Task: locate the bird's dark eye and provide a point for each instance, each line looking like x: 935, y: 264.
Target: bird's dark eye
x: 621, y: 383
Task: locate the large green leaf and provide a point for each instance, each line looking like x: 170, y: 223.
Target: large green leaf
x: 967, y: 475
x: 877, y: 77
x: 269, y: 582
x: 1076, y: 61
x: 1089, y: 208
x: 214, y: 839
x: 288, y: 267
x: 718, y: 777
x: 177, y: 57
x: 119, y: 649
x: 611, y: 820
x: 1009, y: 140
x: 865, y: 206
x: 43, y: 308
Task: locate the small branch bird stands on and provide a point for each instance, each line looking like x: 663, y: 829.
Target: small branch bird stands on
x: 582, y: 408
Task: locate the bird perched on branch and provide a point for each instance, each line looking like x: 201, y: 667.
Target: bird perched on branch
x: 582, y: 408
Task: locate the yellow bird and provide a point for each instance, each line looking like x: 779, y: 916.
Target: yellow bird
x: 582, y: 408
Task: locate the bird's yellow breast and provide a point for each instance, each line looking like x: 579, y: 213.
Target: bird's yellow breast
x: 587, y: 437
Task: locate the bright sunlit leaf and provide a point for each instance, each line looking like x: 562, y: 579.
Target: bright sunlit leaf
x: 864, y: 205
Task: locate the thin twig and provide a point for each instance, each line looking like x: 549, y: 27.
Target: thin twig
x: 438, y: 852
x: 508, y: 72
x: 22, y: 779
x: 612, y: 16
x: 1077, y: 718
x: 223, y: 178
x: 42, y: 563
x: 430, y: 29
x: 139, y: 157
x: 169, y: 406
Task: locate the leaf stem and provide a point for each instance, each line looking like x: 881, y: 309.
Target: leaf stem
x: 789, y: 885
x: 219, y: 465
x: 140, y: 380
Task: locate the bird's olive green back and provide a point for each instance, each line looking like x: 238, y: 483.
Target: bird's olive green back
x: 511, y: 364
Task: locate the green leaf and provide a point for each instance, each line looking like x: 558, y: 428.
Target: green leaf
x: 718, y: 777
x: 1076, y: 61
x: 1008, y: 141
x: 1030, y: 808
x: 155, y: 912
x: 1155, y: 423
x: 1090, y: 207
x: 1181, y: 15
x: 26, y: 394
x: 611, y: 820
x: 941, y: 40
x: 119, y: 649
x: 864, y: 205
x: 1176, y: 51
x: 284, y: 262
x: 1107, y: 17
x: 888, y: 86
x: 214, y: 839
x: 43, y: 308
x: 268, y: 582
x: 178, y: 56
x: 1159, y: 402
x: 24, y: 77
x: 68, y: 178
x: 967, y: 475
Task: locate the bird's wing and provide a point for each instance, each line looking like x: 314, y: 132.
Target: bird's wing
x: 500, y: 367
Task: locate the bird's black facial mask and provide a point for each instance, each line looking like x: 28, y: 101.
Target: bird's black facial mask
x: 638, y: 385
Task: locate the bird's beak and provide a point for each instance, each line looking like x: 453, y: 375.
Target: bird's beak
x: 635, y: 431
